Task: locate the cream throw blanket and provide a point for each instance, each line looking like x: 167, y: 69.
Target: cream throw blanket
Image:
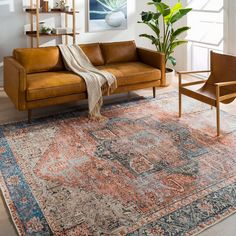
x: 97, y: 82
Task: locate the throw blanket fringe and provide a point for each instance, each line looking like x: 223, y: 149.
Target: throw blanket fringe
x: 98, y: 82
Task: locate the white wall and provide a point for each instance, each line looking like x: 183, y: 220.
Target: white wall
x: 141, y: 28
x: 14, y: 21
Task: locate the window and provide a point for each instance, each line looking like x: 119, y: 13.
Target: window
x: 207, y: 31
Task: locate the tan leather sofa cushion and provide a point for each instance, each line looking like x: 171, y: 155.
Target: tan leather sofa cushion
x: 39, y: 59
x: 132, y: 73
x: 53, y: 84
x: 119, y: 52
x: 94, y: 53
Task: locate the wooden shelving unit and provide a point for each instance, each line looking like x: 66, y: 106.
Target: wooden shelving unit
x: 34, y: 34
x: 35, y: 17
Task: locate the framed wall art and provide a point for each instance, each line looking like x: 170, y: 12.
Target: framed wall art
x: 107, y: 15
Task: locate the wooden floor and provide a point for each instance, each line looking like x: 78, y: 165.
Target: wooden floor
x: 9, y: 114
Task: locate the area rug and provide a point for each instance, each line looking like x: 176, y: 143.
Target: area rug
x: 143, y: 171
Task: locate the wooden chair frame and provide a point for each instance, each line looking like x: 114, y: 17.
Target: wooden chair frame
x: 218, y: 97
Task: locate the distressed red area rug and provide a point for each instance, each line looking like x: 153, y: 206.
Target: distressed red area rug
x: 143, y: 171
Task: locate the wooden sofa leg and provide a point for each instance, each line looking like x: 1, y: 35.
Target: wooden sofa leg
x: 154, y: 92
x: 30, y: 116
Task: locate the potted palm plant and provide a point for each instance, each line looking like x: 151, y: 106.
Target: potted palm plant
x: 161, y: 22
x: 114, y: 11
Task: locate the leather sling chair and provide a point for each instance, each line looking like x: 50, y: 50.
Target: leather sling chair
x: 219, y: 87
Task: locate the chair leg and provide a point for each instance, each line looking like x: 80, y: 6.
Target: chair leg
x: 30, y: 116
x: 154, y: 92
x: 218, y: 109
x: 180, y: 96
x: 218, y: 119
x: 180, y: 105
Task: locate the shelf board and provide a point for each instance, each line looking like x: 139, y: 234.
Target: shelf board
x: 34, y: 34
x: 54, y: 10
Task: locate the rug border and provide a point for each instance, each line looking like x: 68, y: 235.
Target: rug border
x: 21, y: 231
x: 213, y: 224
x: 12, y: 212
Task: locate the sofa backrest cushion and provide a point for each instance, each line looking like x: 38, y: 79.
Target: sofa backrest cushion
x: 119, y: 52
x: 94, y: 53
x: 39, y: 59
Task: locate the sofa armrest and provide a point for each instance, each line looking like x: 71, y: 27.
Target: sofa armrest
x: 154, y: 59
x: 15, y: 82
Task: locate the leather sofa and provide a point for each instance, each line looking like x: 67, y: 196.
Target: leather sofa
x: 37, y: 77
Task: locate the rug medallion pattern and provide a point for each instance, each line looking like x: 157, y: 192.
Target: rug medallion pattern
x: 143, y: 171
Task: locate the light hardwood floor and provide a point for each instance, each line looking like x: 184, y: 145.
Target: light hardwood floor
x: 8, y: 114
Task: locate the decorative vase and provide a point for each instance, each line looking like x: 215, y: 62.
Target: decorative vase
x: 48, y: 31
x: 67, y: 8
x: 170, y: 75
x: 115, y: 19
x: 62, y: 5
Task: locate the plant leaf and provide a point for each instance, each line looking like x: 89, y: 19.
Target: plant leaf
x: 173, y: 10
x: 177, y: 43
x: 151, y: 37
x: 154, y: 2
x: 179, y: 15
x: 146, y: 16
x: 153, y: 27
x: 113, y: 5
x: 178, y: 32
x: 163, y: 8
x: 172, y: 60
